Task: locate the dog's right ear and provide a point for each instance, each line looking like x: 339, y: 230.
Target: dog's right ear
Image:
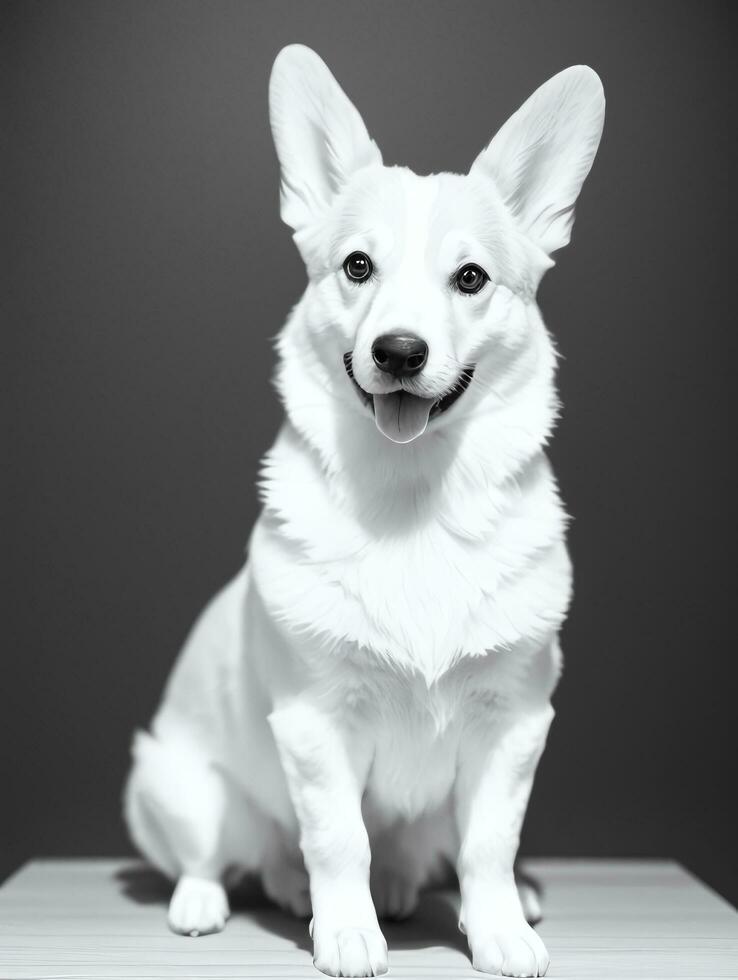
x: 541, y: 156
x: 321, y: 139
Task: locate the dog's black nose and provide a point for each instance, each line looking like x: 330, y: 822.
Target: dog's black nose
x: 401, y: 355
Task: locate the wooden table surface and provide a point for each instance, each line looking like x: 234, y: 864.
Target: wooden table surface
x: 106, y: 918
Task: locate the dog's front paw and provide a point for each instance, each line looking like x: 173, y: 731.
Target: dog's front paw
x: 517, y: 951
x: 349, y: 952
x: 198, y: 906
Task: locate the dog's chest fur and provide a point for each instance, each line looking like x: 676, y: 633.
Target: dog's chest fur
x: 415, y: 730
x: 422, y: 595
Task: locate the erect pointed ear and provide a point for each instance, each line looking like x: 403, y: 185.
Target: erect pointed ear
x: 320, y: 137
x: 540, y: 157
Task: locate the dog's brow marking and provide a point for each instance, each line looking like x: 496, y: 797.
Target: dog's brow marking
x: 422, y: 193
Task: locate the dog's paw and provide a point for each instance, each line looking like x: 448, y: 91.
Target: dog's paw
x: 350, y: 952
x: 289, y: 887
x: 395, y: 895
x: 198, y: 906
x: 515, y: 952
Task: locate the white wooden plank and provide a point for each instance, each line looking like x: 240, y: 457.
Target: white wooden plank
x: 106, y: 919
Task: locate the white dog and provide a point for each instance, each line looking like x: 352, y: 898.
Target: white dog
x: 374, y: 686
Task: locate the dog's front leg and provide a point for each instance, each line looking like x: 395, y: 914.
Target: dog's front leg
x: 497, y: 765
x: 326, y: 772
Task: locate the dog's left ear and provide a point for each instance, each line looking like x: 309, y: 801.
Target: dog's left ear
x: 320, y: 137
x: 541, y: 156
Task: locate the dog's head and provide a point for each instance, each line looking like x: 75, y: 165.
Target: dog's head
x: 415, y: 281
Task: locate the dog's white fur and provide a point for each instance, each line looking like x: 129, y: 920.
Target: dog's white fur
x: 378, y: 677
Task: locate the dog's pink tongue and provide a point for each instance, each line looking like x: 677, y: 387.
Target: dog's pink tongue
x: 401, y: 416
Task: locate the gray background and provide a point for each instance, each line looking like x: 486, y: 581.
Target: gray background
x: 147, y: 273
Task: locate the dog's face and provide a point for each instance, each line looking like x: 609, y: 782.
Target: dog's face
x: 413, y: 279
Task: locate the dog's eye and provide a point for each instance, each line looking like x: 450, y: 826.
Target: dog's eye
x: 470, y: 278
x: 358, y: 267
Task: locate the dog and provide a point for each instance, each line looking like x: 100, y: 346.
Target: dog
x: 365, y: 704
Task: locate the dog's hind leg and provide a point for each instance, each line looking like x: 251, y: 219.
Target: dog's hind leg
x: 191, y: 823
x: 529, y: 893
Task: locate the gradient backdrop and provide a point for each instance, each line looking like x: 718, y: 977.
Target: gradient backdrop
x: 148, y: 272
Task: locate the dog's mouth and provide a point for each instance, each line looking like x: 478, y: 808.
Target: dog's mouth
x: 402, y: 416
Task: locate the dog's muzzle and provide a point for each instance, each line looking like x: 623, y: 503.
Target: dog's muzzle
x: 402, y: 416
